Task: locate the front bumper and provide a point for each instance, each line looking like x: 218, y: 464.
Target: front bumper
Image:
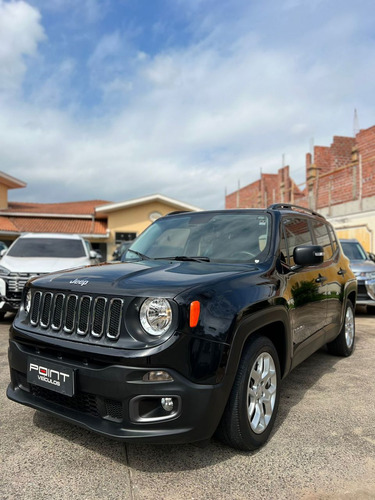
x: 366, y: 292
x: 115, y: 401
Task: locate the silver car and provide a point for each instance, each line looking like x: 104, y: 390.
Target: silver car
x: 364, y: 269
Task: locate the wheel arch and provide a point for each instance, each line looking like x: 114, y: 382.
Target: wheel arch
x: 271, y: 323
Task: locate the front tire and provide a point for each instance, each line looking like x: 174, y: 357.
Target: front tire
x: 252, y: 405
x: 343, y: 345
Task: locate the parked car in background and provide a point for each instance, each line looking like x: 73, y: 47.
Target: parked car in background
x: 364, y: 269
x: 192, y: 332
x: 34, y: 254
x: 98, y: 256
x: 121, y: 250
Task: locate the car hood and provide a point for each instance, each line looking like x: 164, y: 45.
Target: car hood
x: 144, y: 278
x: 362, y: 266
x: 41, y: 265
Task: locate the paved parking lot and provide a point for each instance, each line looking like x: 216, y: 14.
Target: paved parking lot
x: 323, y: 445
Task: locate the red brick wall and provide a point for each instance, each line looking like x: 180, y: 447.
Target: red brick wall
x: 366, y: 148
x: 248, y: 197
x: 343, y: 185
x: 270, y: 188
x: 334, y: 177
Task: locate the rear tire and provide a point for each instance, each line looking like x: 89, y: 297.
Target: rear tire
x: 370, y: 309
x: 252, y: 405
x: 343, y: 345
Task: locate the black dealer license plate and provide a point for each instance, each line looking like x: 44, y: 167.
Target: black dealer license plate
x: 50, y: 375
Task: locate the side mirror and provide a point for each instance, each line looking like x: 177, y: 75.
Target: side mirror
x: 3, y: 252
x: 308, y: 255
x: 93, y: 254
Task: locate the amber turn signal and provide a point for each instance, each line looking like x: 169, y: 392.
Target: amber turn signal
x: 195, y: 309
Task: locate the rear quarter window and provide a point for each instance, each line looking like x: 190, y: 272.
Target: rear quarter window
x: 297, y: 232
x: 322, y: 238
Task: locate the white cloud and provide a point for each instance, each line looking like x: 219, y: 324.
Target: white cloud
x: 186, y: 122
x: 20, y: 33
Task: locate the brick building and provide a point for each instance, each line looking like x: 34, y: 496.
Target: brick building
x: 340, y: 184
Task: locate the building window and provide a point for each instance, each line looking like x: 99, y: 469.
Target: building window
x: 120, y: 237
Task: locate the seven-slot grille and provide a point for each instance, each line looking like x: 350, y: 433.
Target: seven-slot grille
x: 82, y: 315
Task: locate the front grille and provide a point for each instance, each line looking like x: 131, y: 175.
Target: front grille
x: 84, y: 402
x: 98, y: 323
x: 362, y: 292
x: 17, y: 281
x: 114, y: 409
x: 72, y: 314
x: 84, y: 315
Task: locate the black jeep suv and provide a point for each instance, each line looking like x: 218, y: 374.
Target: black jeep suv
x: 192, y: 333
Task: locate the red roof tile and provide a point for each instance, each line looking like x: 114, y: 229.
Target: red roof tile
x: 7, y: 225
x: 51, y: 225
x: 75, y: 207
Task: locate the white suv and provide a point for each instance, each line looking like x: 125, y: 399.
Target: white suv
x: 34, y: 254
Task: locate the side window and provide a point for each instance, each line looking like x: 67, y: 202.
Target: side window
x: 333, y: 239
x: 322, y: 238
x: 297, y: 233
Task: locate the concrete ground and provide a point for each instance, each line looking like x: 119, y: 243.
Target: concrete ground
x: 322, y: 447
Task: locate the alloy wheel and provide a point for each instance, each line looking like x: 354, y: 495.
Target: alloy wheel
x: 261, y: 392
x: 349, y: 327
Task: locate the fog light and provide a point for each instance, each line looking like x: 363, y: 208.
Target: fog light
x: 157, y: 376
x: 167, y: 404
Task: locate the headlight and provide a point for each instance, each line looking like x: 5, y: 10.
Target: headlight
x: 155, y: 316
x: 4, y: 271
x: 365, y: 275
x: 28, y: 301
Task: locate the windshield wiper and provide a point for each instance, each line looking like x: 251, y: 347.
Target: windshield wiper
x: 186, y: 258
x: 141, y: 255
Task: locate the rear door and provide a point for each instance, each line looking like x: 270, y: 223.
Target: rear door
x: 333, y: 275
x: 306, y: 287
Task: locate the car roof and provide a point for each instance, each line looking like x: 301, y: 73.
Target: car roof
x: 52, y: 236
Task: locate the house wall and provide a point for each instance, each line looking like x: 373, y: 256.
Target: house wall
x: 3, y: 197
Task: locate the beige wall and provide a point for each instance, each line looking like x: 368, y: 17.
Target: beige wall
x: 133, y: 220
x: 360, y: 226
x: 3, y: 197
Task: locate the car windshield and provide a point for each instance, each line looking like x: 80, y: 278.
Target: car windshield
x: 47, y: 247
x: 353, y: 250
x: 205, y: 236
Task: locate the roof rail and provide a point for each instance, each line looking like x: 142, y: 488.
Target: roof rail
x: 297, y: 208
x: 178, y: 212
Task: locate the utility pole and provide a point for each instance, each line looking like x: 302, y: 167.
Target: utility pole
x: 355, y: 123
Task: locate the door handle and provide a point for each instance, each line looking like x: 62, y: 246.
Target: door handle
x: 320, y: 279
x: 341, y: 272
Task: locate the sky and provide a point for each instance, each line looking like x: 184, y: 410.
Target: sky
x: 119, y: 99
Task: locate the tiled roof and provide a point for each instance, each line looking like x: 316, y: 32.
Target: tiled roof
x: 75, y: 207
x: 51, y: 225
x: 7, y: 225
